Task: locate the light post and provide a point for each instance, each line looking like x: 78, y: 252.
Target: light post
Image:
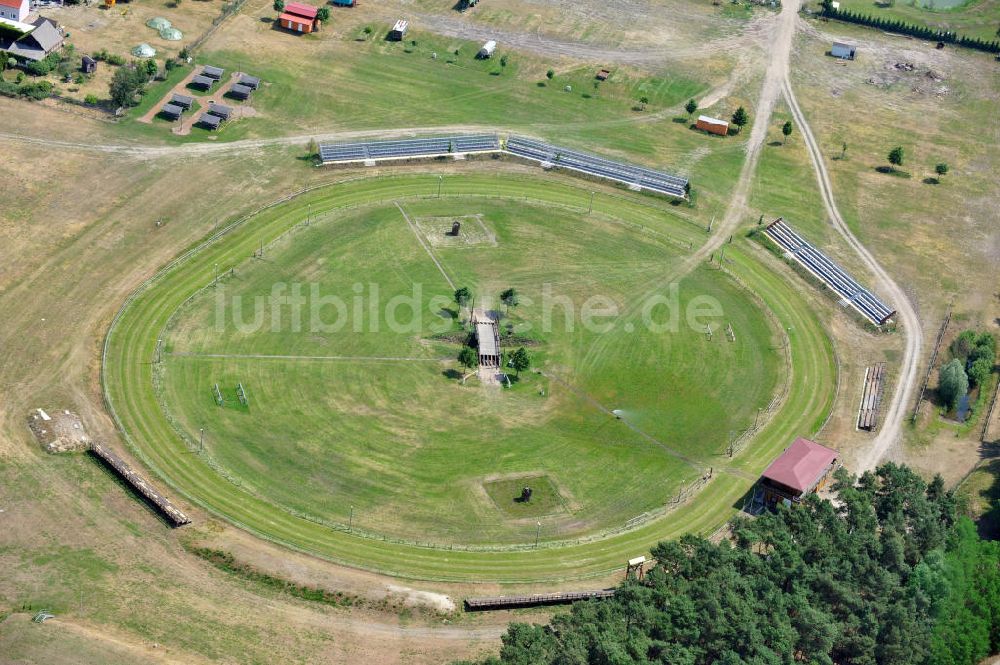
x: 350, y: 526
x: 440, y: 182
x: 538, y: 528
x: 201, y: 439
x: 591, y: 203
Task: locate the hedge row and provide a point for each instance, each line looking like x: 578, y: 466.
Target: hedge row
x: 39, y: 90
x: 919, y: 31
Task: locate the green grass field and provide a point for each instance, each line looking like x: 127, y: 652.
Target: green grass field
x: 129, y: 381
x: 410, y: 447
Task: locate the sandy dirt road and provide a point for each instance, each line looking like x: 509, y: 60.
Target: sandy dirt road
x: 891, y: 430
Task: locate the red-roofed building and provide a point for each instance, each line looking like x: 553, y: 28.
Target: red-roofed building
x: 803, y: 468
x: 298, y: 17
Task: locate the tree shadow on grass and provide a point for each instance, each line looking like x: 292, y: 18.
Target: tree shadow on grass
x: 888, y: 170
x: 680, y: 119
x: 931, y: 181
x: 452, y: 374
x: 988, y: 523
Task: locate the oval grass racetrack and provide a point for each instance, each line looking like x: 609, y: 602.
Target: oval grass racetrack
x: 131, y: 348
x: 355, y: 421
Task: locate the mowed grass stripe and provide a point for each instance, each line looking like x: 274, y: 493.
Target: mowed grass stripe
x: 128, y: 385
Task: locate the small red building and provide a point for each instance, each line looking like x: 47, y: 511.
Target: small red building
x: 298, y: 17
x: 713, y: 125
x: 802, y: 469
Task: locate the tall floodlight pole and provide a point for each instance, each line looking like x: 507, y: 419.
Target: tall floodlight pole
x: 440, y: 182
x: 201, y: 439
x: 538, y: 528
x: 350, y: 526
x: 159, y: 345
x: 216, y: 273
x: 591, y: 203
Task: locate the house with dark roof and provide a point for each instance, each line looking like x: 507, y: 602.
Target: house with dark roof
x: 43, y: 38
x: 802, y: 469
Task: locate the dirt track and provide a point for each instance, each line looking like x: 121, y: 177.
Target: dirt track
x: 891, y: 431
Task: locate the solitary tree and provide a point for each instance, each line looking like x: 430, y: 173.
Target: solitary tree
x: 551, y: 74
x: 468, y: 358
x: 323, y: 14
x: 279, y: 5
x: 151, y: 68
x: 520, y: 360
x: 463, y: 296
x: 941, y: 169
x: 896, y: 157
x: 740, y: 117
x: 691, y: 107
x: 503, y: 61
x: 510, y: 298
x: 786, y: 129
x: 643, y: 101
x: 126, y: 83
x: 953, y: 383
x: 843, y: 150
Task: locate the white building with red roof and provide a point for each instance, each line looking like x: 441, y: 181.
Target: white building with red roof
x: 802, y: 469
x: 14, y: 10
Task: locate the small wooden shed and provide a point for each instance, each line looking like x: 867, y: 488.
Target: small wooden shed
x: 712, y: 125
x: 398, y: 32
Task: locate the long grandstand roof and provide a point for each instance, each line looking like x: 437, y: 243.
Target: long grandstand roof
x: 363, y: 151
x: 629, y: 174
x: 831, y: 274
x: 544, y: 153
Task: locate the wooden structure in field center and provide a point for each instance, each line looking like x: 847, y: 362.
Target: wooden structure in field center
x: 537, y: 600
x: 487, y: 338
x: 871, y: 397
x: 802, y: 469
x: 125, y: 472
x: 298, y: 17
x: 712, y: 125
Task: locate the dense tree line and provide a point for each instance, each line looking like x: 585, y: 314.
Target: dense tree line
x: 887, y: 576
x: 903, y: 28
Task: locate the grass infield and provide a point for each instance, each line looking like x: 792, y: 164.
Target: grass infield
x: 131, y: 378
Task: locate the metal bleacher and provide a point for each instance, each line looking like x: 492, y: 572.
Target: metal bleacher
x: 364, y: 151
x: 538, y: 151
x: 829, y: 272
x: 600, y: 167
